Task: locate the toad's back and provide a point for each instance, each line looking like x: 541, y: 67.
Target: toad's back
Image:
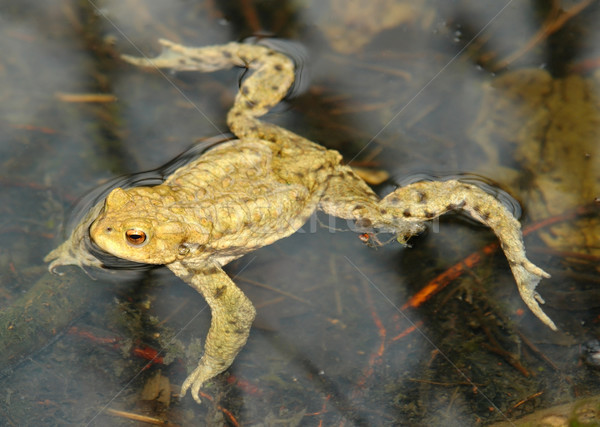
x: 247, y: 193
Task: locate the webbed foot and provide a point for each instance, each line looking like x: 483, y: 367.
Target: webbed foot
x: 203, y: 372
x: 528, y: 275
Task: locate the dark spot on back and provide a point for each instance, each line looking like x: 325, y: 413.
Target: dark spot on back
x: 428, y: 214
x: 422, y: 197
x: 244, y: 90
x: 407, y: 213
x: 364, y: 223
x: 278, y: 67
x: 227, y: 54
x: 220, y: 291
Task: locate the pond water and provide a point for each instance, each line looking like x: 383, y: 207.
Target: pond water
x: 505, y: 90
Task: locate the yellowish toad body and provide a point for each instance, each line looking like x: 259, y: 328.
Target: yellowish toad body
x: 257, y: 189
x: 553, y: 126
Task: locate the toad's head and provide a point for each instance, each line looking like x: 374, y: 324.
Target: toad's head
x: 131, y: 226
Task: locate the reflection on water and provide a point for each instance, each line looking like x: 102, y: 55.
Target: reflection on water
x: 432, y: 88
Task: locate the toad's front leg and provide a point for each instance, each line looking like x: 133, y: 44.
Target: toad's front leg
x: 232, y: 315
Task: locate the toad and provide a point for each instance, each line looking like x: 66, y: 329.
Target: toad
x: 259, y: 188
x: 551, y: 124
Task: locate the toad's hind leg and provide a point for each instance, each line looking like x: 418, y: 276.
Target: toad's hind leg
x: 404, y: 211
x: 426, y: 200
x: 348, y: 196
x: 273, y: 74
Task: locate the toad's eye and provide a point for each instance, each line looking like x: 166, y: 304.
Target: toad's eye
x: 135, y: 237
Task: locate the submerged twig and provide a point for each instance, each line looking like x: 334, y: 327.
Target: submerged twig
x: 550, y: 26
